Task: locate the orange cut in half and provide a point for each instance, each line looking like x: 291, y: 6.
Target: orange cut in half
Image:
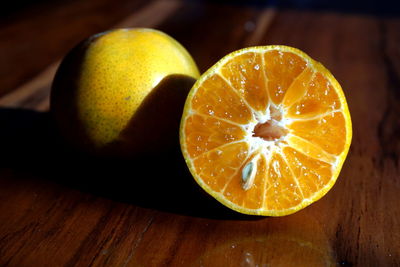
x: 266, y: 130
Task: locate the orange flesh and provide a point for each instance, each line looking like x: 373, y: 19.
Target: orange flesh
x: 274, y: 109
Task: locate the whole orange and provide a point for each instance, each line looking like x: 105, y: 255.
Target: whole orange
x: 121, y: 92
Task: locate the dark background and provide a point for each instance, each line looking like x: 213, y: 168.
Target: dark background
x: 383, y: 7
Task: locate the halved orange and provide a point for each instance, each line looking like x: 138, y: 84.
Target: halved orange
x: 266, y: 130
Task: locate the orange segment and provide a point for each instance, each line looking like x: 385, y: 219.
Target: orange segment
x: 280, y: 179
x: 299, y: 88
x: 205, y: 133
x: 327, y: 132
x: 217, y: 98
x: 266, y: 130
x: 245, y: 74
x: 311, y: 174
x: 320, y: 98
x: 217, y: 167
x: 308, y: 148
x: 281, y: 68
x: 252, y: 198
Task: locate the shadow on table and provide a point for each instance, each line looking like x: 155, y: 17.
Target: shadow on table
x: 30, y: 144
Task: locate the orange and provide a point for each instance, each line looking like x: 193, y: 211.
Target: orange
x: 103, y: 83
x: 266, y: 130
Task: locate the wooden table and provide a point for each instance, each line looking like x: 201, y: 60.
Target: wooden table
x: 60, y: 209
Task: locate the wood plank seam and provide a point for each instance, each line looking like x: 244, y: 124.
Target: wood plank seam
x: 130, y: 256
x: 263, y: 23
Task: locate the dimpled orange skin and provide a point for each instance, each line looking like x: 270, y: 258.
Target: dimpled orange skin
x: 104, y: 81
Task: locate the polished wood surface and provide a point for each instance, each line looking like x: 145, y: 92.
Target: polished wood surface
x: 60, y: 208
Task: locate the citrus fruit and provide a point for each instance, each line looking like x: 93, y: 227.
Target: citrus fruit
x: 116, y: 91
x: 266, y: 130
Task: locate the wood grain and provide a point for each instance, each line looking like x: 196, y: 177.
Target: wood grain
x: 60, y: 208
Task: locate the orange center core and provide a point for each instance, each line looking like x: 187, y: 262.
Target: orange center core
x: 270, y: 130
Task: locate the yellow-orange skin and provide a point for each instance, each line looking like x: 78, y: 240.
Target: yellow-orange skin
x: 102, y: 82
